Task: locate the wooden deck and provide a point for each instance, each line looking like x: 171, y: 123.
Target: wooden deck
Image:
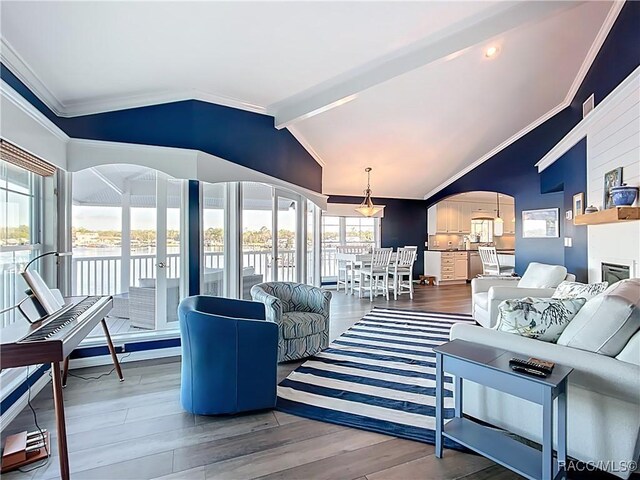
x: 117, y: 326
x: 137, y: 430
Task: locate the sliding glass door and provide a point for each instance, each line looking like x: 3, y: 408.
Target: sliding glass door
x: 213, y: 280
x: 285, y: 244
x: 169, y: 252
x: 257, y: 242
x: 272, y: 222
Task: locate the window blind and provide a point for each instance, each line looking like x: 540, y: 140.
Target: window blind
x: 23, y: 159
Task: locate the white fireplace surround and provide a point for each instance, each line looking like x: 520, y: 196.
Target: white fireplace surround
x: 612, y: 130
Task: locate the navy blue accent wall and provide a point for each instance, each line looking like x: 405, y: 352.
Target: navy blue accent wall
x: 512, y: 171
x: 404, y: 223
x: 193, y: 213
x: 568, y: 176
x: 245, y: 138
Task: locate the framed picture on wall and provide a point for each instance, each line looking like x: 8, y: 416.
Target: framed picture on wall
x: 578, y: 204
x: 611, y: 179
x: 542, y: 223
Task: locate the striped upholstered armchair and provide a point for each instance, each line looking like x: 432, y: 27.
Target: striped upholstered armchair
x: 302, y: 314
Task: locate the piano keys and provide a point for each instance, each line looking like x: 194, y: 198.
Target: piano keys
x: 54, y: 337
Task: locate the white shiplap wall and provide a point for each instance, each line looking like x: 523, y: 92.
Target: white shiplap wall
x: 613, y: 140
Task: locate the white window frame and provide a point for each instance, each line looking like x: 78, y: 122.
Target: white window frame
x: 342, y: 238
x: 36, y: 189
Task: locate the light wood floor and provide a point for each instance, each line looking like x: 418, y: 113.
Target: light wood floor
x: 137, y: 430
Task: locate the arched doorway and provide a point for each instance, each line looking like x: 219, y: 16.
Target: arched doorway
x: 464, y: 222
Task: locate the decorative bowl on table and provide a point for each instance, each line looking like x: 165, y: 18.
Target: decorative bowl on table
x: 623, y: 195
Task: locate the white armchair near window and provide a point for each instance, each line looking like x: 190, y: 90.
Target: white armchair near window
x: 539, y: 280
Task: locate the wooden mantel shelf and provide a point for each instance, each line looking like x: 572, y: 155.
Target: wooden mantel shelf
x: 612, y: 215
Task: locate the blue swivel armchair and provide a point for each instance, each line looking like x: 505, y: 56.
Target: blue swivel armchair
x: 229, y: 356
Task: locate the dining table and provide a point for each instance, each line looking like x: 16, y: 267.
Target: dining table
x: 358, y: 260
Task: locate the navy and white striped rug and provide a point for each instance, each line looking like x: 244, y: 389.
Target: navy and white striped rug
x: 379, y: 375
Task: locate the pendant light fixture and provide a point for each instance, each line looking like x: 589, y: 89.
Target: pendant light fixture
x: 498, y: 223
x: 367, y: 208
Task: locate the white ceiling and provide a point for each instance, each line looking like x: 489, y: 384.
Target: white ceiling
x: 424, y: 102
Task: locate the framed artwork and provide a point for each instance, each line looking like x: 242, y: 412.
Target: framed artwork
x: 542, y: 223
x: 578, y: 204
x: 611, y: 179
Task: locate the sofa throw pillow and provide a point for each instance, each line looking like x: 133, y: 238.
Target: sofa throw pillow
x: 540, y: 275
x: 607, y: 321
x: 543, y: 319
x: 579, y: 290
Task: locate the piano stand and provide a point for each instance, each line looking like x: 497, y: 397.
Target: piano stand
x: 61, y: 428
x: 112, y: 351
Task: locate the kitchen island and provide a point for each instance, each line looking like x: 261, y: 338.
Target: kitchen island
x: 455, y: 266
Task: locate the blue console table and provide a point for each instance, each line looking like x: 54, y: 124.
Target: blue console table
x: 490, y: 367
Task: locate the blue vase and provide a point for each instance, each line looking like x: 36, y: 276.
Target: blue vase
x: 623, y: 195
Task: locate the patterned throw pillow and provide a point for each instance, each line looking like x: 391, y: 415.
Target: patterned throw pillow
x: 540, y: 318
x: 579, y: 290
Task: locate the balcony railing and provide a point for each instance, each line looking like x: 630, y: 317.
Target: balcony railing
x: 102, y: 275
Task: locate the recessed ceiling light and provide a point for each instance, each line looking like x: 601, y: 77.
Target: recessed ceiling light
x: 491, y: 52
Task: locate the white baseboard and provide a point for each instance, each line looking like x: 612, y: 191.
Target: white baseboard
x: 14, y: 410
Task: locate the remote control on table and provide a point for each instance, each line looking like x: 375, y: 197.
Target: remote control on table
x: 525, y: 365
x: 530, y: 371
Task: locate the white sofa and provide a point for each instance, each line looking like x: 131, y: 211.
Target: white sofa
x: 539, y: 280
x: 603, y: 395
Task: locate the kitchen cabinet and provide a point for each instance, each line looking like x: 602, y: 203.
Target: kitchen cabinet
x: 455, y: 217
x: 460, y: 266
x: 442, y: 216
x: 465, y: 210
x: 449, y: 217
x: 447, y: 267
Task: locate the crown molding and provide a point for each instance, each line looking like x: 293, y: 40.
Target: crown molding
x: 626, y: 88
x: 19, y: 101
x: 113, y: 103
x: 499, y: 148
x: 19, y: 67
x: 26, y: 75
x: 609, y: 20
x: 307, y: 146
x: 573, y: 89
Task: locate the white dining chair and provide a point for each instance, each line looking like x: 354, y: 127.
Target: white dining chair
x: 491, y: 263
x: 345, y: 267
x: 401, y: 272
x: 374, y: 277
